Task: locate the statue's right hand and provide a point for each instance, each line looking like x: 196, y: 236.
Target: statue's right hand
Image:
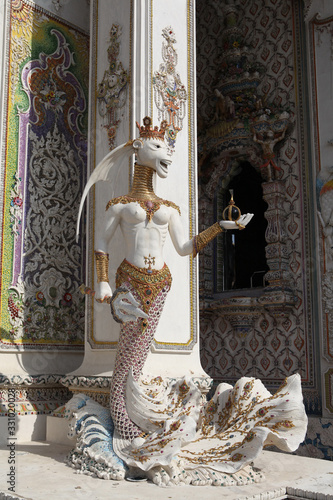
x: 124, y: 307
x: 103, y: 291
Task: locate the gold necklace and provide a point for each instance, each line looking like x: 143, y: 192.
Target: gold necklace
x: 142, y: 192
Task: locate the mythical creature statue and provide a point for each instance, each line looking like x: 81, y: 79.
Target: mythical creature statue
x: 267, y: 140
x: 169, y: 437
x: 143, y: 279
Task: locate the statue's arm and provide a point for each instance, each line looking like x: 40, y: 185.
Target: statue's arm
x: 183, y: 247
x: 199, y: 241
x: 104, y: 236
x: 193, y: 246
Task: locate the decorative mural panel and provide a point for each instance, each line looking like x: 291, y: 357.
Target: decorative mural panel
x: 112, y: 90
x: 275, y: 345
x: 169, y: 92
x: 42, y: 266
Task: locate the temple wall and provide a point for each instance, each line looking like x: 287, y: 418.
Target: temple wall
x: 295, y: 51
x: 43, y: 132
x: 44, y: 96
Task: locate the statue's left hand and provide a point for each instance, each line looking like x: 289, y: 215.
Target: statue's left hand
x: 241, y: 223
x: 124, y: 307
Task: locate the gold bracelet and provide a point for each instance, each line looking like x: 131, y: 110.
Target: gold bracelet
x: 102, y: 266
x: 205, y: 237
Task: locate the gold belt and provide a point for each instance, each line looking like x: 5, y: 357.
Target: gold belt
x: 147, y: 282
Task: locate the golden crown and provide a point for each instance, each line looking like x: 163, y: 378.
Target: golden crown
x: 149, y: 132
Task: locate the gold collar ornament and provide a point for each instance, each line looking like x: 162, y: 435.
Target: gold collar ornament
x: 142, y: 192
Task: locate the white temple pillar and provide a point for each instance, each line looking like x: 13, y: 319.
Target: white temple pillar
x: 155, y: 56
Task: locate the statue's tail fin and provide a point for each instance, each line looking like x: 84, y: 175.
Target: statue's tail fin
x: 103, y: 173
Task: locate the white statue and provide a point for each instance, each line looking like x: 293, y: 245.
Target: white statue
x: 145, y: 221
x: 165, y: 433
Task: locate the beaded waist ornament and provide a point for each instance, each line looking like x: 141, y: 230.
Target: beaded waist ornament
x: 148, y: 283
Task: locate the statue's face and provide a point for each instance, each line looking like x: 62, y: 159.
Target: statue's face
x: 154, y: 154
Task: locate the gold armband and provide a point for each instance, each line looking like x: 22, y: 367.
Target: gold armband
x: 102, y: 266
x: 202, y: 239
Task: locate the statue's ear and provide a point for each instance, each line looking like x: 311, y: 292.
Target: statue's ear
x: 137, y: 144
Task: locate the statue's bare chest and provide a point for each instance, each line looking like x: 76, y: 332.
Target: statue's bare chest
x: 134, y: 214
x: 136, y: 210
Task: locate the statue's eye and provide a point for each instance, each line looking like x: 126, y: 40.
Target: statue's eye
x: 157, y: 146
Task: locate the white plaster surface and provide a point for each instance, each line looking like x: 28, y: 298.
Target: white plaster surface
x: 56, y: 430
x: 101, y: 363
x: 28, y: 428
x: 41, y: 473
x: 35, y: 363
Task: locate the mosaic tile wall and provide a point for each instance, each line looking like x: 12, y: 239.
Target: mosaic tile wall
x: 43, y: 167
x: 274, y: 347
x: 318, y: 442
x: 33, y: 401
